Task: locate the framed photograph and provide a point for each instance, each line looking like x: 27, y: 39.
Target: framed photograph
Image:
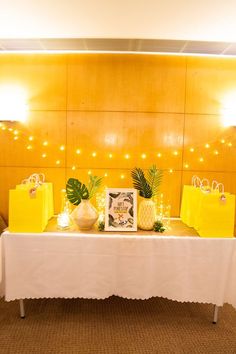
x: 121, y: 209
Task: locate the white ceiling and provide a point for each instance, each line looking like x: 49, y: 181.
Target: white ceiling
x: 204, y: 20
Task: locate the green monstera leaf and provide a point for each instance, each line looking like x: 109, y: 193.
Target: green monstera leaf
x: 76, y: 191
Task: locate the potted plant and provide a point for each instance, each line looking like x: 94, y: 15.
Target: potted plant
x: 85, y: 215
x: 148, y: 188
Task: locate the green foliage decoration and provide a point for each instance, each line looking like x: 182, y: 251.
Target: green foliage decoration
x: 101, y: 226
x: 159, y: 227
x: 148, y: 187
x: 76, y: 190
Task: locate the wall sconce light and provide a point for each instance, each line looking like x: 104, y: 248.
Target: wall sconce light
x: 13, y: 104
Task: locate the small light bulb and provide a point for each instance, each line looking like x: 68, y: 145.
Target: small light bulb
x: 78, y: 151
x: 105, y: 174
x: 127, y: 156
x: 73, y: 168
x: 110, y: 156
x: 3, y: 127
x: 89, y: 172
x: 191, y: 149
x: 10, y: 129
x: 62, y: 147
x: 222, y: 141
x: 94, y: 154
x: 143, y: 156
x: 201, y: 159
x: 15, y: 132
x: 44, y: 155
x: 31, y: 138
x: 175, y: 153
x: 186, y: 165
x: 207, y: 146
x: 58, y: 162
x: 122, y: 176
x: 16, y: 137
x: 171, y: 170
x: 216, y: 152
x: 230, y: 144
x: 29, y: 147
x: 45, y: 143
x: 159, y: 154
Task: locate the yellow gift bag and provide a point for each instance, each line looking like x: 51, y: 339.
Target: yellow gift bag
x: 204, y: 189
x: 190, y: 197
x: 216, y: 214
x: 30, y: 205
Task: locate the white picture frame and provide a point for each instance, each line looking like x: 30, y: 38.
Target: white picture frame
x: 121, y: 209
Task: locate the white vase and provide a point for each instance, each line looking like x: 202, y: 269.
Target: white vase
x: 146, y: 214
x: 85, y: 215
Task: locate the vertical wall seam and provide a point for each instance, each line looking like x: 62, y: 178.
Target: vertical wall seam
x: 66, y: 141
x: 184, y: 126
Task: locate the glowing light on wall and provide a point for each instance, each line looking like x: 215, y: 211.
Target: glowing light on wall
x: 13, y: 104
x: 228, y: 111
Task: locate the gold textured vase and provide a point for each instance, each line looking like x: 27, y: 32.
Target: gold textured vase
x: 146, y: 214
x: 85, y: 215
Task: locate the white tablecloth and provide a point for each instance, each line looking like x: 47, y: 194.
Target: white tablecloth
x: 67, y: 265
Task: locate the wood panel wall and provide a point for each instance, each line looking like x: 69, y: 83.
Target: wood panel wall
x: 112, y: 112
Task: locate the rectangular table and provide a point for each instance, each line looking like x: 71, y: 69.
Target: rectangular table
x: 134, y: 266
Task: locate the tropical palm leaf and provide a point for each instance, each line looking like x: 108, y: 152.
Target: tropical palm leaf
x: 140, y: 183
x: 94, y: 184
x: 154, y: 179
x: 76, y: 191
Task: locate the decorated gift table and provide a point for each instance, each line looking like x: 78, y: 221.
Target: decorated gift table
x: 178, y: 265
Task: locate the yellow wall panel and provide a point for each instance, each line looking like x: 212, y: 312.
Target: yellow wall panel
x: 133, y: 106
x: 43, y: 127
x: 42, y: 76
x: 124, y: 140
x: 208, y: 81
x: 214, y: 146
x: 111, y: 82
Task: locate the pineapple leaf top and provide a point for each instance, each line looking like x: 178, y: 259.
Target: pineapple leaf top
x: 148, y: 186
x: 140, y: 183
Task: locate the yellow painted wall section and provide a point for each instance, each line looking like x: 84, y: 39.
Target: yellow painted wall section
x: 107, y: 113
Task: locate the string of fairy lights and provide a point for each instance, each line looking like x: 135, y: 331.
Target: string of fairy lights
x: 213, y: 148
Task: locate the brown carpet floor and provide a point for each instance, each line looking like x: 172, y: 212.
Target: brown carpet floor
x: 116, y: 326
